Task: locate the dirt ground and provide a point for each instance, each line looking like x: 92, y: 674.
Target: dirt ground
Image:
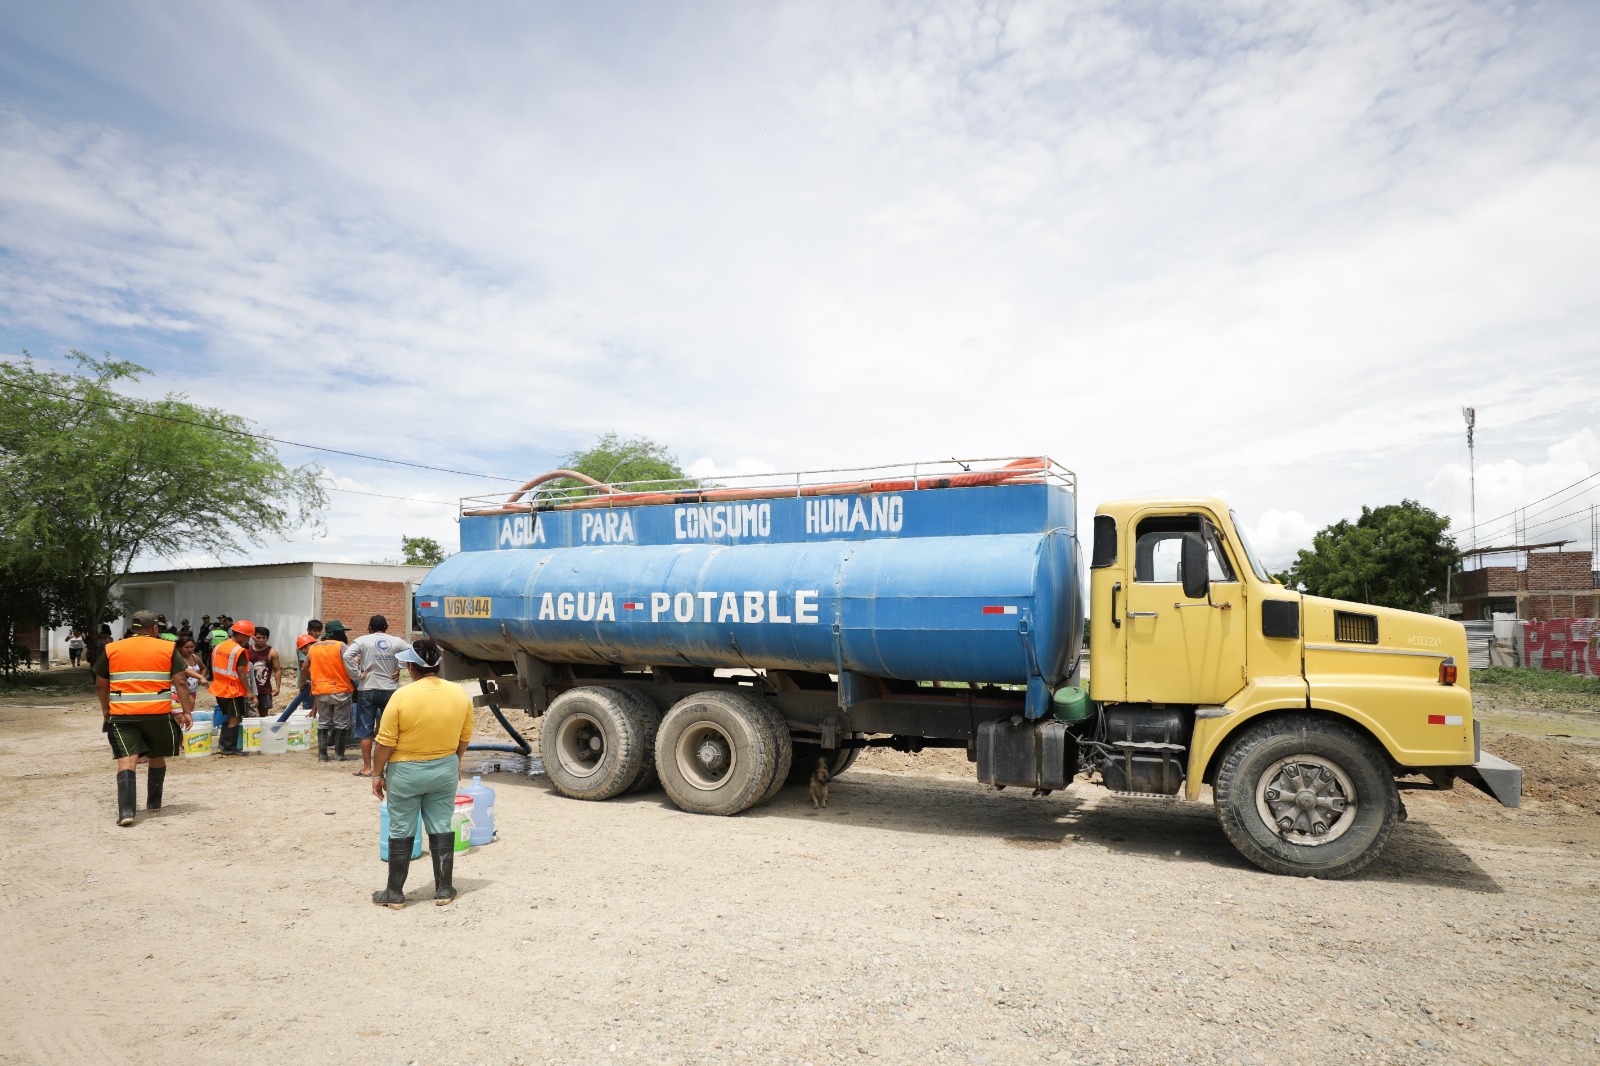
x: 920, y: 918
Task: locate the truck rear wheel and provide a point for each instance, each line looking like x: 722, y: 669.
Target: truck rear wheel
x: 805, y: 759
x: 1306, y: 796
x: 717, y: 752
x: 648, y: 718
x: 783, y: 745
x: 594, y: 742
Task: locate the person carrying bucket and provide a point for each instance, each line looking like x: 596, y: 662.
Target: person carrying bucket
x: 230, y: 668
x: 416, y: 765
x: 136, y: 678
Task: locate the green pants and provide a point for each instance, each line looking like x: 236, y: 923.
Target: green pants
x: 430, y: 786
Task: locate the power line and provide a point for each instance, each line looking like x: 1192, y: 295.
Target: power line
x: 1512, y: 513
x: 386, y: 496
x: 257, y: 436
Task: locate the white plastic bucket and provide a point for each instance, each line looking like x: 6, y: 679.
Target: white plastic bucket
x: 250, y: 734
x: 274, y: 737
x: 197, y: 741
x: 302, y: 732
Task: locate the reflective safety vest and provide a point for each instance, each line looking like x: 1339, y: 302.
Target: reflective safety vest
x: 226, y: 660
x: 326, y: 659
x: 141, y: 675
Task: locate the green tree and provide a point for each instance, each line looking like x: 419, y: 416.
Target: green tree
x: 612, y: 459
x: 33, y: 592
x: 1392, y: 556
x: 95, y: 480
x: 421, y: 551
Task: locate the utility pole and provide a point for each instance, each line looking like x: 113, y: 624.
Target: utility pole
x: 1471, y: 415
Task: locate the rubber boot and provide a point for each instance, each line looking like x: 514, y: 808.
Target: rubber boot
x: 153, y: 782
x: 127, y: 797
x: 442, y: 849
x: 394, y: 896
x: 341, y: 737
x: 323, y: 736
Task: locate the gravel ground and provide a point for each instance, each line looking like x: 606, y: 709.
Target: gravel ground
x: 920, y: 918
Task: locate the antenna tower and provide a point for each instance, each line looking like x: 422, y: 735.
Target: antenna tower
x: 1471, y: 415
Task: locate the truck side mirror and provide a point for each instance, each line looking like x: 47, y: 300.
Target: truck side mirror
x: 1196, y: 568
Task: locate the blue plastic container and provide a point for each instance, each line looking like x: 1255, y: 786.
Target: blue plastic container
x: 383, y: 834
x: 956, y: 584
x: 482, y: 811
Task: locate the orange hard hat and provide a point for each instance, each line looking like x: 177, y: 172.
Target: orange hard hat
x: 242, y: 626
x: 302, y: 640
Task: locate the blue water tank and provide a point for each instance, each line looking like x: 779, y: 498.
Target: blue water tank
x: 960, y: 584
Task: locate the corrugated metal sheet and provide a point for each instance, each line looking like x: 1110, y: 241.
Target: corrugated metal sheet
x: 1479, y: 636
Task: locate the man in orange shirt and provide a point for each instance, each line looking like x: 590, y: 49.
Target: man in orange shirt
x: 230, y: 667
x: 331, y: 689
x: 136, y: 678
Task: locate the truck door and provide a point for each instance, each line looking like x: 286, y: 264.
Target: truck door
x: 1181, y: 650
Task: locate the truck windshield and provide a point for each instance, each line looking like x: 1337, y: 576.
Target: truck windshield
x: 1249, y: 552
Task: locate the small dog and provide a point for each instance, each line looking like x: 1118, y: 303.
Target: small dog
x: 819, y: 784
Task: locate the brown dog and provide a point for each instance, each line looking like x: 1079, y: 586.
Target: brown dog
x: 819, y: 784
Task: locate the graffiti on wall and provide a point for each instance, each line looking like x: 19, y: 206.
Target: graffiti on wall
x: 1568, y: 644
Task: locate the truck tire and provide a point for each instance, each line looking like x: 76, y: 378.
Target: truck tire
x: 783, y: 744
x: 593, y: 743
x: 806, y: 755
x: 716, y: 752
x: 1306, y: 796
x: 648, y: 718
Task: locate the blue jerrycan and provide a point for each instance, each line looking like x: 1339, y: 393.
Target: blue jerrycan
x: 383, y: 834
x: 482, y: 811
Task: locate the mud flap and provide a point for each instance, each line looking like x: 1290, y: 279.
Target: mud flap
x: 1495, y: 776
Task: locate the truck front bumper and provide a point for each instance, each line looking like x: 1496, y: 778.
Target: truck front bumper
x: 1493, y: 775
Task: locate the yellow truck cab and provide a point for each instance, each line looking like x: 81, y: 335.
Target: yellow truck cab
x: 1299, y: 712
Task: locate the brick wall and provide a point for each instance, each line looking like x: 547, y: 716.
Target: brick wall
x: 1549, y: 606
x: 1559, y: 571
x: 353, y: 602
x: 1486, y: 580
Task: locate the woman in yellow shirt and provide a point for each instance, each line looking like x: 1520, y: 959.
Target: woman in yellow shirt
x: 416, y: 762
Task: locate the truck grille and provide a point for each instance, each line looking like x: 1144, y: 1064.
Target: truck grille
x: 1355, y: 628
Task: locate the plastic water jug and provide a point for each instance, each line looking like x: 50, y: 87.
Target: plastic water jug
x: 383, y: 834
x: 482, y: 811
x: 274, y: 737
x: 461, y: 822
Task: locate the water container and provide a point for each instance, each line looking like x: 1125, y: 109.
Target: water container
x: 482, y: 811
x: 202, y: 718
x: 197, y: 741
x: 250, y: 734
x: 461, y: 822
x: 302, y: 732
x: 274, y: 737
x: 383, y: 834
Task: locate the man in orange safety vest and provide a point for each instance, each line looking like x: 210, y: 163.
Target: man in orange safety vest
x: 230, y: 666
x: 135, y: 678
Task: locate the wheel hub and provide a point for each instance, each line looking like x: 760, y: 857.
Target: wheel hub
x: 1308, y: 799
x: 713, y: 755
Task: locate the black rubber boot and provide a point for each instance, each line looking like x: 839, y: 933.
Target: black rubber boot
x: 442, y: 849
x: 341, y: 737
x: 323, y: 736
x: 157, y: 777
x: 394, y: 896
x: 127, y: 797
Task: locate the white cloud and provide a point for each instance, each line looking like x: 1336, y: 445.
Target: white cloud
x: 714, y: 469
x: 1264, y: 248
x: 1278, y: 535
x: 1525, y: 502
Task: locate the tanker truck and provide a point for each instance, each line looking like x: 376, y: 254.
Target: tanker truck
x: 722, y: 640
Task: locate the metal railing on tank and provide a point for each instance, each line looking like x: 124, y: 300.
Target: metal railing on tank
x: 561, y: 490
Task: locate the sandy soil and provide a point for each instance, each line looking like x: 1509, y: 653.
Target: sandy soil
x: 919, y: 919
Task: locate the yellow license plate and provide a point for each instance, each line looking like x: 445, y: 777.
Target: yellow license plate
x: 466, y: 606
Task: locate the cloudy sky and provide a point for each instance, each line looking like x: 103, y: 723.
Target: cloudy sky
x: 1260, y: 249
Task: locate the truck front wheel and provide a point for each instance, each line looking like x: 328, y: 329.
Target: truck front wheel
x: 717, y: 752
x: 1306, y: 796
x: 595, y: 742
